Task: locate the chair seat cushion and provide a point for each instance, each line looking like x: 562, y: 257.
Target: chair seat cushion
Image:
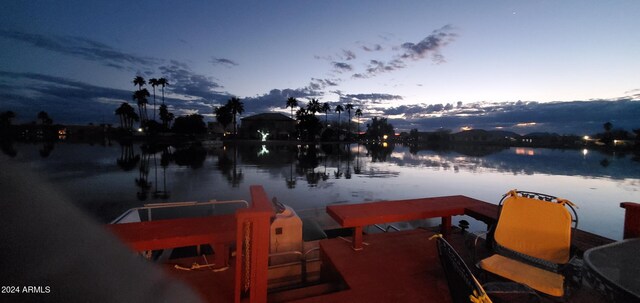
x: 539, y: 279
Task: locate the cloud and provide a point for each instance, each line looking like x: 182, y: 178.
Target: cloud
x: 276, y: 99
x: 83, y: 48
x: 182, y: 80
x: 319, y: 84
x: 371, y: 98
x: 375, y: 66
x: 74, y: 102
x: 575, y: 117
x: 372, y: 48
x: 348, y: 55
x: 341, y: 67
x: 223, y: 61
x: 430, y: 46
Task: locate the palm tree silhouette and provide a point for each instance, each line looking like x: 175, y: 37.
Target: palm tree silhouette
x: 141, y: 97
x: 237, y: 108
x: 314, y: 106
x: 358, y: 114
x: 139, y: 81
x: 223, y: 116
x: 349, y: 107
x: 163, y: 82
x: 292, y: 102
x: 154, y: 82
x: 127, y: 115
x: 339, y: 110
x: 165, y: 116
x: 326, y: 108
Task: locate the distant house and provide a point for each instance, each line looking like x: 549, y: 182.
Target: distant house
x: 277, y: 125
x: 483, y: 136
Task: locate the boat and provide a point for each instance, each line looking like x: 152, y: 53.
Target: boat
x: 263, y: 251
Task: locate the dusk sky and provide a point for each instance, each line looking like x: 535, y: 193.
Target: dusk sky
x: 567, y: 66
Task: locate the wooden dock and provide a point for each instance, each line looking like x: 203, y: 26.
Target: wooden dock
x: 392, y: 267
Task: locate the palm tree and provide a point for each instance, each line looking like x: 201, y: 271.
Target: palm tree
x: 326, y: 108
x: 237, y: 108
x: 127, y: 115
x: 120, y: 113
x: 292, y: 102
x: 141, y: 97
x: 339, y: 109
x: 314, y: 106
x: 139, y: 81
x: 163, y: 82
x: 223, y: 116
x: 349, y: 107
x: 154, y: 82
x: 358, y: 114
x: 165, y: 116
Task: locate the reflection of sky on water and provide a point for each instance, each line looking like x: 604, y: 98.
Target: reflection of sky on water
x: 308, y: 178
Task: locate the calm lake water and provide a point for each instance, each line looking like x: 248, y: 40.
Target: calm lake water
x: 107, y: 180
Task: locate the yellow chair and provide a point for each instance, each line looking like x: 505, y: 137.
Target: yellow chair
x: 532, y: 241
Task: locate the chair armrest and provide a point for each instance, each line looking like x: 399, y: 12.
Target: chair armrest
x: 477, y: 236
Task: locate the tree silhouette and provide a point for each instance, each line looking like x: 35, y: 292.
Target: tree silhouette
x: 309, y: 125
x: 165, y: 116
x: 223, y: 116
x: 358, y: 114
x: 237, y: 108
x: 141, y: 97
x: 6, y: 118
x: 326, y: 108
x: 608, y: 138
x: 348, y: 108
x: 139, y: 81
x: 378, y: 128
x: 191, y: 124
x: 44, y: 118
x: 127, y: 115
x: 154, y: 82
x: 163, y: 82
x: 314, y: 106
x: 339, y: 109
x: 292, y: 102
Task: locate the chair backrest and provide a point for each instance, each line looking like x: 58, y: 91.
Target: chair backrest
x: 463, y: 285
x: 535, y: 225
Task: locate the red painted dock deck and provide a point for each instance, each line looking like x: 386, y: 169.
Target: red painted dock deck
x: 393, y: 267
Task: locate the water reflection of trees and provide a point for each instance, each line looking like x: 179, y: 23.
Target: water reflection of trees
x: 322, y: 165
x: 379, y: 152
x: 128, y: 160
x: 228, y: 165
x: 191, y: 155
